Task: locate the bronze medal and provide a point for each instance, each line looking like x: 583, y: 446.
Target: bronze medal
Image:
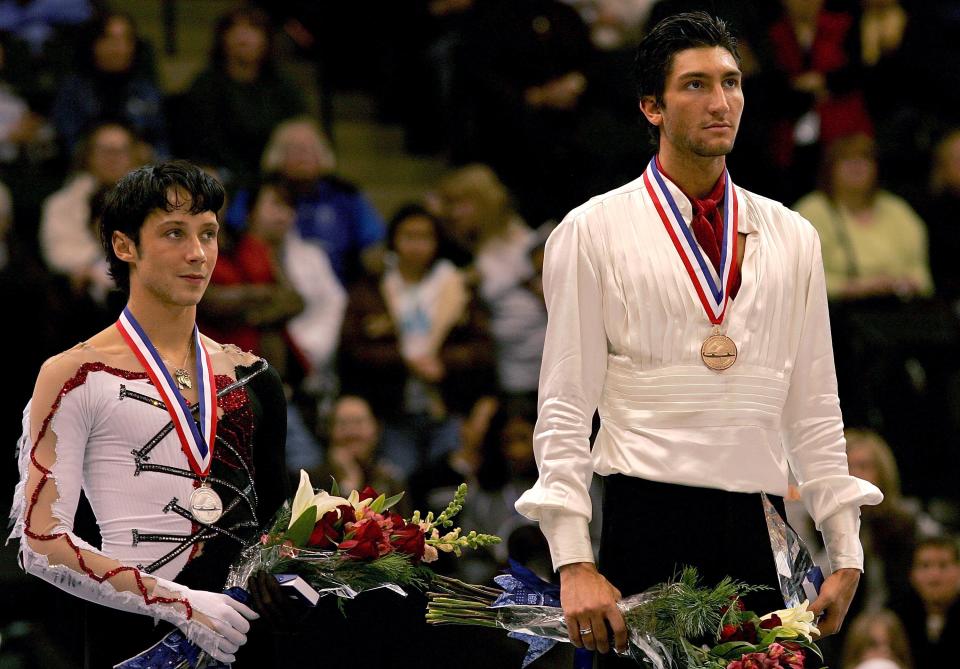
x: 206, y: 507
x: 718, y: 352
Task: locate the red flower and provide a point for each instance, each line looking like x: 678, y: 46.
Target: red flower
x: 409, y: 539
x: 328, y: 530
x: 368, y: 493
x: 746, y: 632
x: 771, y: 622
x: 365, y: 542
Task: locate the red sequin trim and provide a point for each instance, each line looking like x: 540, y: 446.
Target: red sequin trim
x: 78, y: 380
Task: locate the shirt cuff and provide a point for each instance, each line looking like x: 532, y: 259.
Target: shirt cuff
x: 568, y: 535
x: 841, y: 538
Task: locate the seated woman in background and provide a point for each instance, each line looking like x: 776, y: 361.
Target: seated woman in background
x: 877, y: 635
x: 353, y: 453
x: 873, y: 242
x: 415, y: 344
x: 875, y: 261
x: 890, y: 529
x: 479, y: 218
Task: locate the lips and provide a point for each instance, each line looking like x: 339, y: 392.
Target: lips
x: 194, y: 278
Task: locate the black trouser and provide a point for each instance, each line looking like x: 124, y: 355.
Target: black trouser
x: 651, y: 530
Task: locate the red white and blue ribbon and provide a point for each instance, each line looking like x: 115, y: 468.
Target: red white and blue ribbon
x: 196, y: 440
x: 712, y: 289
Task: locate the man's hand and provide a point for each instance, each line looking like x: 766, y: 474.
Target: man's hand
x: 282, y: 613
x: 589, y: 605
x: 836, y: 593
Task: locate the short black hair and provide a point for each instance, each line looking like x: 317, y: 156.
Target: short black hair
x: 146, y: 189
x: 688, y: 30
x: 412, y: 211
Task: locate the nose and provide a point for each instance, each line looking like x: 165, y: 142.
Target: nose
x: 195, y: 251
x: 718, y: 100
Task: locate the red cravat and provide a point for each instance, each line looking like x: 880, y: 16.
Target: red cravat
x: 707, y: 223
x: 707, y: 226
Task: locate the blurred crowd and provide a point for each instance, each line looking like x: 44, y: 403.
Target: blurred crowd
x: 410, y: 340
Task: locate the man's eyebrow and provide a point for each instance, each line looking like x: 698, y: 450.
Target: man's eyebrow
x: 706, y: 75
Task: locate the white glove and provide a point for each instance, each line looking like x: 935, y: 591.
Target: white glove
x: 219, y: 623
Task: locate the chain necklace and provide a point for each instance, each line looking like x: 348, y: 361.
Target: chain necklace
x: 181, y: 374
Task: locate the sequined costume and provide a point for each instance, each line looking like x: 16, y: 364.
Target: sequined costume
x: 115, y: 443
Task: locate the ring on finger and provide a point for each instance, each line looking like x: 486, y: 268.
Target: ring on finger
x: 585, y: 630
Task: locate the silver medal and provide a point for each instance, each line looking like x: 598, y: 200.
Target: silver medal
x: 205, y: 505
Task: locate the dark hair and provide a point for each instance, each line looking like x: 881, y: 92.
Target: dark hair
x: 276, y: 182
x: 93, y: 30
x: 145, y: 190
x: 412, y: 211
x: 941, y: 541
x: 255, y: 17
x: 689, y: 30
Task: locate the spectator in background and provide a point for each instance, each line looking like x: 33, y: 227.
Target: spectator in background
x: 931, y: 612
x: 251, y: 299
x: 816, y: 52
x: 416, y: 345
x: 353, y: 457
x: 941, y: 215
x: 233, y: 105
x: 877, y: 635
x: 476, y: 208
x: 330, y: 211
x: 68, y: 238
x: 111, y: 81
x: 527, y: 88
x: 23, y: 132
x: 889, y: 530
x: 315, y: 332
x: 873, y: 242
x: 36, y: 21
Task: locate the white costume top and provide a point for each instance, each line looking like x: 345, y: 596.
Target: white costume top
x: 114, y: 440
x: 624, y: 334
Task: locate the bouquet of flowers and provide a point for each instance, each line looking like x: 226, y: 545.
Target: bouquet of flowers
x: 325, y: 544
x: 677, y: 624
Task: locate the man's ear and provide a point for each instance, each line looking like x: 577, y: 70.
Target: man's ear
x: 123, y: 247
x: 651, y: 110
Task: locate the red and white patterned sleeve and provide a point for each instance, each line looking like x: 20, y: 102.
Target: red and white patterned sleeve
x: 51, y: 461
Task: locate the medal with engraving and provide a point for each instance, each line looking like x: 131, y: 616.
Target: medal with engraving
x: 718, y: 351
x: 205, y: 504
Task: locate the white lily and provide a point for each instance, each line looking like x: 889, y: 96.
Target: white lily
x: 306, y: 498
x: 796, y: 619
x: 354, y: 500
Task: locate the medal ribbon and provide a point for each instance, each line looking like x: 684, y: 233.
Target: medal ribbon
x: 196, y: 440
x: 712, y: 289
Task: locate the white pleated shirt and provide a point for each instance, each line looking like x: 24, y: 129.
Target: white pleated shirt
x: 624, y: 334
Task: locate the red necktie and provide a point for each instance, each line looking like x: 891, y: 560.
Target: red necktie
x: 707, y: 226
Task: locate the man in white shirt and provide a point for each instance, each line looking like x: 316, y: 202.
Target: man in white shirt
x: 705, y: 400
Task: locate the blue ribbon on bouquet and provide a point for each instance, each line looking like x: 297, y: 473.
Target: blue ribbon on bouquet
x: 524, y: 588
x: 177, y: 652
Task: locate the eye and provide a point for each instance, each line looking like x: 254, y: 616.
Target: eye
x: 695, y: 84
x: 174, y: 233
x: 210, y: 235
x: 731, y: 83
